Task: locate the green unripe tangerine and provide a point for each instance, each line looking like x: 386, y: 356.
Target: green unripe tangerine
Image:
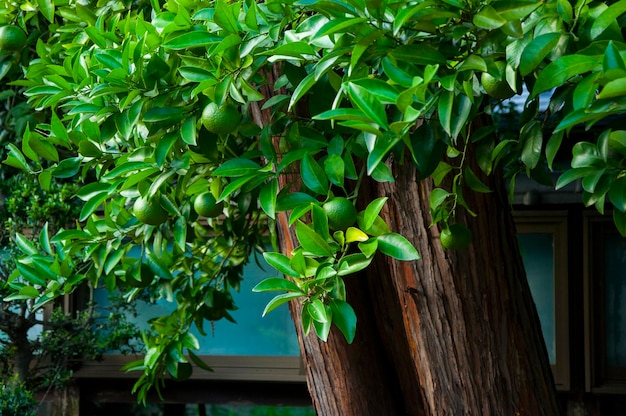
x: 497, y: 87
x: 341, y: 213
x: 12, y: 38
x: 206, y: 205
x: 149, y: 211
x: 220, y: 120
x: 456, y: 237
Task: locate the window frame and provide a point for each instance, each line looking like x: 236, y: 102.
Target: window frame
x: 599, y: 378
x: 556, y: 223
x: 225, y: 367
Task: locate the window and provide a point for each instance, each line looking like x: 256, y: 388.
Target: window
x: 605, y: 306
x: 244, y: 356
x: 543, y: 240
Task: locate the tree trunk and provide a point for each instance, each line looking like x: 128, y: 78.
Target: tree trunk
x: 455, y: 333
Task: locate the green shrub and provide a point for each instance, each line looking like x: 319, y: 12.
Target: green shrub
x: 16, y: 400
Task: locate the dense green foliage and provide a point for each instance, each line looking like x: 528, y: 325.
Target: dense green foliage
x: 346, y: 87
x: 16, y: 400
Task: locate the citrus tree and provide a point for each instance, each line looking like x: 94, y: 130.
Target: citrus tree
x: 338, y: 130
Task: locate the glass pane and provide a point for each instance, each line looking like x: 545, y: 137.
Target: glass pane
x: 538, y: 255
x: 615, y: 295
x: 272, y: 335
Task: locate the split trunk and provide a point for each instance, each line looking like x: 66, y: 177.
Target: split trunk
x: 455, y: 333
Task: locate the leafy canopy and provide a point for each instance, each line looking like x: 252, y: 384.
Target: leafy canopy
x: 328, y: 91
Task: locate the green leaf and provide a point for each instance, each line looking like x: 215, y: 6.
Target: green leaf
x: 488, y: 18
x: 164, y: 148
x: 303, y: 87
x: 463, y: 107
x: 159, y: 114
x: 224, y: 16
x: 613, y: 89
x: 535, y: 52
x: 427, y: 148
x: 354, y: 234
x: 267, y: 198
x: 280, y: 300
x: 397, y: 246
x: 180, y: 233
x: 345, y: 318
x: 446, y: 102
x: 44, y: 240
x: 311, y: 241
x: 382, y: 147
x: 474, y: 182
x: 30, y: 274
x: 292, y: 200
x: 417, y: 53
x: 28, y: 292
x: 280, y: 262
x: 198, y: 361
x: 188, y: 131
x: 437, y: 197
x: 334, y: 167
x: 383, y: 91
x: 382, y: 173
x: 560, y: 71
x: 351, y: 114
x: 613, y: 61
x: 367, y: 103
x: 298, y: 50
x: 322, y: 329
x: 511, y: 10
x: 338, y: 25
x: 369, y: 247
x: 617, y: 194
x: 193, y: 39
x: 573, y: 174
x: 586, y: 154
x: 553, y: 146
x: 237, y: 167
x: 25, y: 245
x: 607, y: 18
x: 317, y: 311
x: 46, y: 7
x: 473, y: 63
x: 92, y: 205
x: 320, y: 221
x: 372, y: 210
x: 532, y: 137
x: 313, y: 175
x: 353, y: 263
x: 236, y: 185
x: 276, y: 283
x: 16, y: 159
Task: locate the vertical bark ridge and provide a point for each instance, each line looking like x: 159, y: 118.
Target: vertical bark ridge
x: 472, y: 317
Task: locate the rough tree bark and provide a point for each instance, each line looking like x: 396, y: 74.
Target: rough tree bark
x: 455, y: 333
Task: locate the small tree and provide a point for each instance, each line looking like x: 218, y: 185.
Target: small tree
x: 385, y: 104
